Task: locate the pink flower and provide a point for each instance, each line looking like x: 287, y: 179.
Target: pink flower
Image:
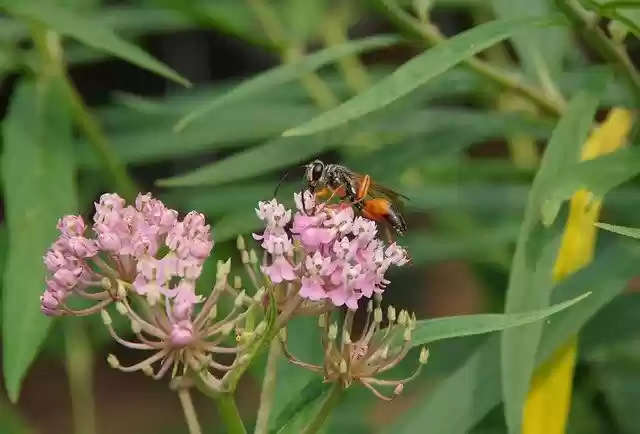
x: 338, y: 255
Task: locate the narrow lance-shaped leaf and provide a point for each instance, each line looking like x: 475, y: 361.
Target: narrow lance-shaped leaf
x: 39, y: 187
x: 621, y: 230
x: 417, y: 72
x: 89, y: 32
x: 283, y: 74
x: 519, y: 346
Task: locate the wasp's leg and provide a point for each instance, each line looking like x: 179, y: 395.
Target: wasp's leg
x: 361, y: 193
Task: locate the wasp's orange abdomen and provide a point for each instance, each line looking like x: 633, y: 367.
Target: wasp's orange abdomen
x: 382, y: 210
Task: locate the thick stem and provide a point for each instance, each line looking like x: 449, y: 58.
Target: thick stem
x: 327, y: 407
x: 189, y: 411
x: 229, y: 413
x: 268, y: 389
x: 80, y: 374
x: 430, y: 34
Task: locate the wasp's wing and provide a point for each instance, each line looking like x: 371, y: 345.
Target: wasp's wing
x: 377, y: 190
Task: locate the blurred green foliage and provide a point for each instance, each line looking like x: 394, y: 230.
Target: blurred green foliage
x: 416, y: 124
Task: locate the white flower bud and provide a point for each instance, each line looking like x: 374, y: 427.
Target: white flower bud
x: 346, y: 338
x: 240, y: 299
x: 121, y: 308
x: 237, y: 282
x: 402, y: 318
x: 399, y: 388
x: 343, y: 366
x: 391, y: 313
x: 244, y: 257
x: 240, y: 243
x: 407, y: 334
x: 377, y: 315
x: 333, y: 332
x: 147, y: 369
x: 135, y: 327
x: 321, y: 320
x: 253, y: 258
x: 106, y: 319
x: 112, y: 360
x: 424, y: 356
x: 105, y: 283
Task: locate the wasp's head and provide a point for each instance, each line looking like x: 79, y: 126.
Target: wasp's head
x: 315, y: 172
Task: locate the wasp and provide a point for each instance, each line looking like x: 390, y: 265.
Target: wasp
x: 374, y: 201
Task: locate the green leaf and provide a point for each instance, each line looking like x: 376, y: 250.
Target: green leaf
x: 519, y: 346
x: 541, y: 51
x: 599, y: 176
x: 417, y: 72
x: 91, y: 33
x: 467, y: 325
x: 288, y: 72
x: 627, y: 232
x: 39, y: 181
x: 467, y: 395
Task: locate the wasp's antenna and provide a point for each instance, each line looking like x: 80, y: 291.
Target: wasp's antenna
x: 275, y: 192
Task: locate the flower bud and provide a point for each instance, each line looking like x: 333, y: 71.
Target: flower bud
x: 121, y: 308
x: 391, y: 313
x: 147, y: 369
x: 402, y: 318
x: 244, y: 257
x: 237, y: 282
x: 260, y: 294
x: 424, y: 356
x: 122, y: 291
x: 321, y: 320
x: 240, y: 243
x: 112, y: 360
x: 333, y: 332
x: 106, y: 319
x: 377, y: 315
x: 343, y: 366
x: 407, y: 335
x: 399, y: 388
x: 346, y: 338
x: 105, y: 283
x: 253, y: 258
x: 135, y: 327
x: 239, y: 299
x: 369, y: 306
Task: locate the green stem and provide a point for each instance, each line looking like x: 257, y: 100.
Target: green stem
x: 433, y: 36
x: 268, y: 389
x: 48, y: 45
x: 229, y: 413
x: 587, y: 24
x: 80, y: 374
x: 327, y: 407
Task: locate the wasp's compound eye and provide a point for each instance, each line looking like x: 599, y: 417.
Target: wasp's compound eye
x: 316, y: 172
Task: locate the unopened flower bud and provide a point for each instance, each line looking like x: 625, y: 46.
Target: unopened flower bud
x: 122, y: 291
x: 343, y: 366
x: 105, y: 283
x: 147, y: 370
x: 391, y: 313
x: 224, y: 268
x: 377, y: 297
x: 369, y: 306
x: 135, y: 327
x: 240, y: 299
x: 253, y: 258
x: 106, y: 319
x: 346, y: 338
x: 333, y: 332
x: 244, y: 257
x: 321, y: 320
x: 237, y: 282
x: 112, y: 360
x: 407, y: 334
x: 377, y: 315
x: 260, y: 294
x: 261, y: 327
x: 399, y: 388
x: 424, y: 356
x: 121, y: 308
x: 240, y: 243
x: 402, y: 318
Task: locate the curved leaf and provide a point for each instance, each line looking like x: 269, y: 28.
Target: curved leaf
x: 39, y: 186
x: 417, y: 72
x: 90, y: 32
x: 288, y: 72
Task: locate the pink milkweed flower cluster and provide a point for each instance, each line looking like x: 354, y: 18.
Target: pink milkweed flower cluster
x: 144, y: 245
x: 330, y: 253
x: 145, y: 252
